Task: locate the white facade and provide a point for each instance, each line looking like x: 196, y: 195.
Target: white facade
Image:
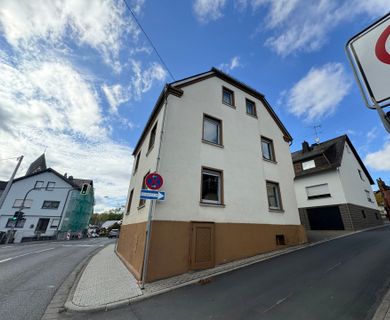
x: 36, y: 211
x: 344, y: 183
x: 245, y: 172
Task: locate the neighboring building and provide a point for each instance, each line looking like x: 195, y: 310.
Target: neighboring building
x: 228, y: 178
x: 53, y: 204
x: 384, y: 191
x: 333, y: 187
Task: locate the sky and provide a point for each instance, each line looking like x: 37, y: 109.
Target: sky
x: 78, y: 78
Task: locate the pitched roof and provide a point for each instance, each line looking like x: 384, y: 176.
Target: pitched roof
x: 333, y: 151
x: 38, y: 165
x: 76, y: 183
x: 175, y: 88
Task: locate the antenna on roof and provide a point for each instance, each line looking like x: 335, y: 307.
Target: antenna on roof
x: 317, y: 132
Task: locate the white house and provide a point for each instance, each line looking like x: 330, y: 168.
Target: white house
x: 50, y: 201
x: 228, y: 177
x: 333, y: 187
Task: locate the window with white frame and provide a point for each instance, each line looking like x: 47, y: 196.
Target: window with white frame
x: 18, y: 203
x: 273, y: 194
x: 212, y: 129
x: 308, y: 165
x: 50, y: 186
x: 54, y: 223
x: 211, y: 186
x: 318, y: 191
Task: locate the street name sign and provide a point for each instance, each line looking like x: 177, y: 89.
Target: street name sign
x: 369, y: 55
x: 154, y: 181
x: 152, y: 195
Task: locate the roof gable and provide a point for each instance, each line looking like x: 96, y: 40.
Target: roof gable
x: 175, y: 88
x: 332, y: 152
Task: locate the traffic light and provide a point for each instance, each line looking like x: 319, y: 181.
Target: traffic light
x: 84, y: 189
x: 18, y: 215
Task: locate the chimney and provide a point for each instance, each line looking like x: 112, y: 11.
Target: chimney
x: 70, y: 178
x: 305, y: 147
x: 65, y: 175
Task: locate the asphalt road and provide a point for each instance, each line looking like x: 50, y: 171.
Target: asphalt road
x: 340, y: 279
x: 30, y: 274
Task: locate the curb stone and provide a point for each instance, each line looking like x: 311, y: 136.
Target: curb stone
x: 70, y: 306
x: 57, y: 303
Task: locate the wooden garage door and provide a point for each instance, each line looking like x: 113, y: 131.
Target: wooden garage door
x: 202, y: 246
x: 325, y: 218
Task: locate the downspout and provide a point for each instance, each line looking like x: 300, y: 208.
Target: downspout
x: 153, y: 202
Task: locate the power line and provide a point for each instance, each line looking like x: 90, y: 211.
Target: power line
x: 150, y: 41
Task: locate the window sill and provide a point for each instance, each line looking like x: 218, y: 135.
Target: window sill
x: 213, y: 144
x: 252, y: 115
x: 207, y: 204
x: 229, y: 105
x: 276, y: 210
x: 270, y: 161
x: 140, y: 207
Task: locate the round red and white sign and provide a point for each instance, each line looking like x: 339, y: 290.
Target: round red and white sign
x: 154, y: 181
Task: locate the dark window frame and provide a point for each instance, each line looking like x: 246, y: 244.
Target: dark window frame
x: 279, y: 196
x: 220, y: 130
x: 137, y: 158
x: 254, y: 108
x: 270, y: 144
x: 50, y: 188
x: 221, y: 200
x: 51, y: 201
x: 280, y: 239
x: 42, y: 186
x: 364, y: 214
x: 19, y: 224
x: 360, y: 174
x: 128, y: 207
x: 231, y: 92
x: 142, y: 202
x: 152, y: 137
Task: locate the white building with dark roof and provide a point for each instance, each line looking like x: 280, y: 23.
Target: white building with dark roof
x: 228, y: 177
x: 333, y: 187
x: 51, y: 203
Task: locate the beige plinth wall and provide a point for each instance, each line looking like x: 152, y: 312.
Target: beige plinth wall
x: 171, y: 241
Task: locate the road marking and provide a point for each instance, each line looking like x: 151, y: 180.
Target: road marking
x: 5, y: 247
x: 277, y: 303
x: 24, y: 254
x: 83, y: 245
x: 333, y: 267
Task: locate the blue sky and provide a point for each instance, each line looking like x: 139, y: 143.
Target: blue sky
x: 79, y: 79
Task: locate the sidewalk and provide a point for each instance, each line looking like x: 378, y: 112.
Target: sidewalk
x: 106, y: 283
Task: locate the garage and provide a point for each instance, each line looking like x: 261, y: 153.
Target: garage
x: 325, y: 218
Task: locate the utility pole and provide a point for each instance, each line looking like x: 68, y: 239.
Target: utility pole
x: 2, y: 198
x: 317, y: 131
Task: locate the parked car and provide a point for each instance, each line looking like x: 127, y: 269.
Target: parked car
x: 114, y: 233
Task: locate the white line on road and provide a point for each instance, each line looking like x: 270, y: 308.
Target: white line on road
x: 24, y: 254
x: 83, y: 245
x: 277, y: 303
x: 333, y: 267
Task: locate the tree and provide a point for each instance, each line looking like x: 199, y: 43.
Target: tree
x: 112, y: 214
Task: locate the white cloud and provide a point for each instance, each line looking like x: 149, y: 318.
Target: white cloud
x: 208, y: 10
x: 233, y: 64
x: 116, y: 95
x: 142, y: 80
x: 379, y: 160
x: 99, y: 24
x: 372, y: 134
x: 304, y: 26
x: 319, y: 92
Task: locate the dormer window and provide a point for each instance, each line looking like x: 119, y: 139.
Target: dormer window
x: 308, y: 165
